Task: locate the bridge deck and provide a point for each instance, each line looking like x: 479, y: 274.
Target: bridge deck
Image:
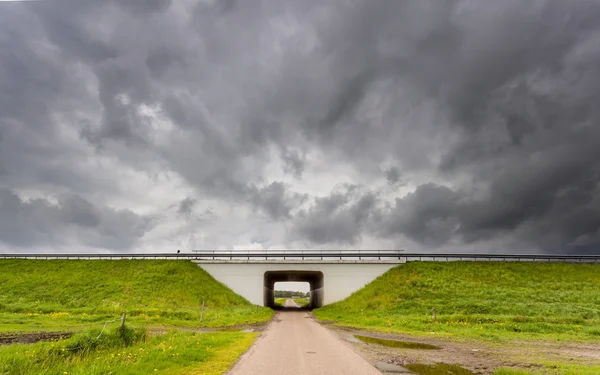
x: 354, y: 256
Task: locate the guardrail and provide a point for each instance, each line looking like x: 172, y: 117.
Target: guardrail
x: 341, y: 255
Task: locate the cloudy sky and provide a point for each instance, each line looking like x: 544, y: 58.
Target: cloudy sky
x: 425, y: 125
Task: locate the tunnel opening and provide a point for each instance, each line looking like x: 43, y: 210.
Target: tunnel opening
x: 313, y: 278
x: 298, y: 294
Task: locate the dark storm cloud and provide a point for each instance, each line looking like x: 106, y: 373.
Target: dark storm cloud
x: 293, y: 162
x: 70, y: 221
x: 187, y: 205
x: 487, y: 109
x: 392, y: 175
x: 276, y: 201
x: 339, y: 218
x: 518, y: 83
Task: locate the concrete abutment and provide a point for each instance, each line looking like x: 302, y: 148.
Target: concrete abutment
x: 329, y: 281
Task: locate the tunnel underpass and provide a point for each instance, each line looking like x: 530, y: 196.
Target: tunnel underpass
x: 313, y: 278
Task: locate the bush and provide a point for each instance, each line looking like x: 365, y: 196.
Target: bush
x: 97, y: 339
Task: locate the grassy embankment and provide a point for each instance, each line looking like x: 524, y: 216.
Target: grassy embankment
x: 500, y: 302
x: 90, y: 296
x: 490, y: 300
x: 72, y: 294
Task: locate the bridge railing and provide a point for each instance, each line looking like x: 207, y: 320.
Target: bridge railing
x: 316, y: 255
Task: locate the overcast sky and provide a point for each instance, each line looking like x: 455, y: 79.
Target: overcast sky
x: 156, y: 125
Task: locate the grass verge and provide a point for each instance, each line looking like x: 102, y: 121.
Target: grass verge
x: 77, y: 294
x: 483, y: 300
x: 552, y: 369
x: 89, y: 354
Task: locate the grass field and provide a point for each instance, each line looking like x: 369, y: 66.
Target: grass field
x: 88, y: 297
x: 485, y: 300
x: 72, y: 294
x: 171, y: 353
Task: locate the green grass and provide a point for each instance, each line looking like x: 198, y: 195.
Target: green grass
x: 302, y: 302
x: 78, y: 294
x: 279, y: 302
x: 484, y: 300
x: 510, y: 371
x: 86, y: 354
x: 552, y: 369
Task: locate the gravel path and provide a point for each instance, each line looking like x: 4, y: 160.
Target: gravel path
x: 294, y: 344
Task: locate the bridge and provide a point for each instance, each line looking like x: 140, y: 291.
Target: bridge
x: 332, y: 275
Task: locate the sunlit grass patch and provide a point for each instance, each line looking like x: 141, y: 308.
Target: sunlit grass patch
x: 133, y: 353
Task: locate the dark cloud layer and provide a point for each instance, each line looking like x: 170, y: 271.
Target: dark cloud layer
x: 72, y: 221
x: 435, y: 125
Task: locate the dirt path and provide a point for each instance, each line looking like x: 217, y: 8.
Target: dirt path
x: 294, y: 344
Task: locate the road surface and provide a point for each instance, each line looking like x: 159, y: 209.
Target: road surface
x: 290, y: 303
x: 294, y: 344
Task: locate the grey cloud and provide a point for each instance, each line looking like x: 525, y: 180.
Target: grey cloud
x: 338, y: 218
x: 487, y: 108
x: 187, y: 205
x: 392, y: 175
x: 427, y: 215
x: 71, y: 220
x: 137, y: 7
x: 276, y: 201
x: 293, y: 162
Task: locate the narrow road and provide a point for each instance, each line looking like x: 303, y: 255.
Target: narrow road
x: 290, y: 303
x: 294, y: 344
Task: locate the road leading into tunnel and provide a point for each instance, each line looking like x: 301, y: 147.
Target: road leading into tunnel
x: 295, y: 344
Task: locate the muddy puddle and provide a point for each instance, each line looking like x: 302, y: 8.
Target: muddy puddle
x: 32, y: 337
x: 390, y: 368
x: 395, y: 343
x: 438, y: 369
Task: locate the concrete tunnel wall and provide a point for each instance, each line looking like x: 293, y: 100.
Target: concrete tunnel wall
x: 339, y: 279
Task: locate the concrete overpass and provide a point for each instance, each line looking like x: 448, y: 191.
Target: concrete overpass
x: 329, y: 281
x: 332, y: 275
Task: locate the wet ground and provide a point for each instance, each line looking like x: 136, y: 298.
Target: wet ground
x: 475, y: 357
x: 395, y: 343
x: 32, y: 337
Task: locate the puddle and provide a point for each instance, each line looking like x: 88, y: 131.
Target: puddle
x: 395, y: 344
x: 390, y: 368
x: 438, y: 369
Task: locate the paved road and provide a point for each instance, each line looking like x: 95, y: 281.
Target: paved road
x: 290, y: 303
x: 294, y: 344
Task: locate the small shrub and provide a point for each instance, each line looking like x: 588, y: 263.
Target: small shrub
x: 96, y: 339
